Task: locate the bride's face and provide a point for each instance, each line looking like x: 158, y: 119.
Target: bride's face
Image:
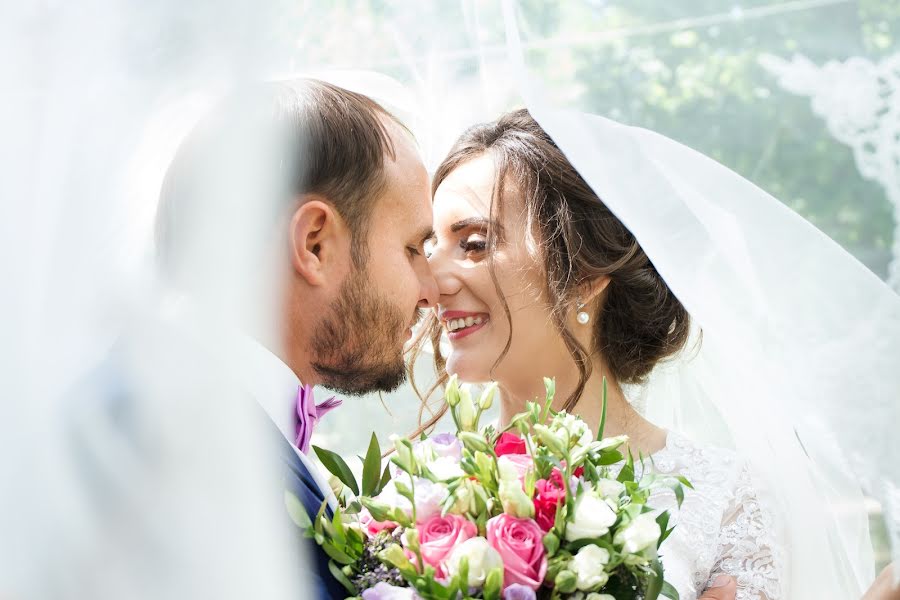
x: 470, y: 307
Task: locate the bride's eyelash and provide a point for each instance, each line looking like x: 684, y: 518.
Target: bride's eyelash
x: 469, y: 245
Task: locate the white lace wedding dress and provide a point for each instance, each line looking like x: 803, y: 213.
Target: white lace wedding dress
x: 723, y: 525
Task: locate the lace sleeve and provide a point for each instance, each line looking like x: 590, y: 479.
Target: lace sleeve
x: 748, y: 547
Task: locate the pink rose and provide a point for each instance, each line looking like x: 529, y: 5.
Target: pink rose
x: 439, y: 535
x: 370, y: 525
x: 520, y: 544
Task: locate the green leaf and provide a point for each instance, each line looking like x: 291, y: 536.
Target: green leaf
x: 385, y: 478
x: 337, y: 524
x: 371, y: 468
x: 342, y: 579
x: 337, y: 467
x: 626, y: 474
x: 684, y: 481
x: 663, y: 521
x: 297, y: 511
x: 655, y: 585
x: 602, y: 426
x: 678, y: 488
x: 320, y: 521
x: 464, y: 572
x: 669, y: 591
x: 337, y: 554
x: 609, y: 458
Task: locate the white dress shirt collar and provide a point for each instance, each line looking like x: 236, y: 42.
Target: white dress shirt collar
x: 274, y: 386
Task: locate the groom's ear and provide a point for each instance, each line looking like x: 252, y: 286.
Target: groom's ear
x: 319, y: 241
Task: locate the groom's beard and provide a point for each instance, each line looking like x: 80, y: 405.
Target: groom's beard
x: 358, y: 347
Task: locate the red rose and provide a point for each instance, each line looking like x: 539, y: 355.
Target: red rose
x: 548, y: 493
x: 509, y: 443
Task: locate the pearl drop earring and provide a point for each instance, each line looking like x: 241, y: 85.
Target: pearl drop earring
x: 582, y: 316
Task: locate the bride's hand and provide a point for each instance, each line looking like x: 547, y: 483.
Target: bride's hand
x: 723, y: 588
x: 884, y: 588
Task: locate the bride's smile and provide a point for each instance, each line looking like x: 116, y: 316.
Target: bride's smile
x: 460, y: 323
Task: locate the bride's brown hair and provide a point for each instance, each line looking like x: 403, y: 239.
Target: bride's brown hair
x: 639, y: 321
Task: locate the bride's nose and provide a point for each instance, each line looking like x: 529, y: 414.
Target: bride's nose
x: 446, y: 273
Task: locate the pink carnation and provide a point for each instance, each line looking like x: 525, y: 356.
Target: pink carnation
x: 370, y: 525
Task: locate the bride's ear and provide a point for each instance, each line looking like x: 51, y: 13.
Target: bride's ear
x: 591, y: 290
x: 318, y: 241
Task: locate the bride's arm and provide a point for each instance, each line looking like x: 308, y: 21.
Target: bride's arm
x: 748, y: 548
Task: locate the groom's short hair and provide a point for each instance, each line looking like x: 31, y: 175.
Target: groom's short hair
x: 263, y: 146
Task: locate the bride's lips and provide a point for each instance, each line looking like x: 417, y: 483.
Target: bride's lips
x: 470, y: 321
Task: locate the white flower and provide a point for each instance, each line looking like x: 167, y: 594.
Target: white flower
x: 390, y: 496
x: 445, y: 467
x: 577, y: 431
x: 610, y: 488
x: 592, y: 518
x: 482, y: 560
x: 429, y: 498
x: 641, y: 533
x: 588, y: 565
x: 596, y: 596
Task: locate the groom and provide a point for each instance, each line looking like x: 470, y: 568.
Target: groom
x: 325, y: 194
x: 331, y: 202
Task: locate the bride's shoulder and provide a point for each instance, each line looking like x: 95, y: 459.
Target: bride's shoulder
x: 703, y: 464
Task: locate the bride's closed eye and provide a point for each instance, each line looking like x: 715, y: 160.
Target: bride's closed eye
x: 475, y: 243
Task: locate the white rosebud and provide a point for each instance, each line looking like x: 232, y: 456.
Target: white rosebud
x: 482, y: 559
x: 591, y: 518
x: 588, y: 566
x: 487, y: 396
x: 641, y: 533
x: 610, y: 488
x: 465, y: 410
x: 596, y: 596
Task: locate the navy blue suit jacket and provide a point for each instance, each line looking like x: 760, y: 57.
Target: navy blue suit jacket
x: 299, y: 481
x: 108, y: 393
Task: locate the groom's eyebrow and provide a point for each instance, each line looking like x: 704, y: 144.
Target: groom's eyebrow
x: 426, y: 234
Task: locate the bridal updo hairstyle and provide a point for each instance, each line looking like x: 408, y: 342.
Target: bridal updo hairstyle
x: 639, y: 321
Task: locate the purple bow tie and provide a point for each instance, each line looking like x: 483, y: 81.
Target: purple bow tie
x: 308, y: 414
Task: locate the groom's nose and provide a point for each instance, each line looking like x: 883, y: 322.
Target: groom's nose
x: 428, y: 289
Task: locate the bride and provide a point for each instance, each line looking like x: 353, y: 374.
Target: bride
x: 537, y: 277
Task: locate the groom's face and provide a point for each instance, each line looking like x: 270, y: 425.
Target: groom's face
x: 358, y: 346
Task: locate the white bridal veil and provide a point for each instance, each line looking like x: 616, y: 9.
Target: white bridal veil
x: 798, y: 365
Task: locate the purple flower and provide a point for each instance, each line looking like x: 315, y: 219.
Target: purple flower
x: 446, y: 444
x: 517, y: 591
x: 386, y: 591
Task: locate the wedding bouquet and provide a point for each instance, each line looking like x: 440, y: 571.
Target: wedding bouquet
x: 541, y: 509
